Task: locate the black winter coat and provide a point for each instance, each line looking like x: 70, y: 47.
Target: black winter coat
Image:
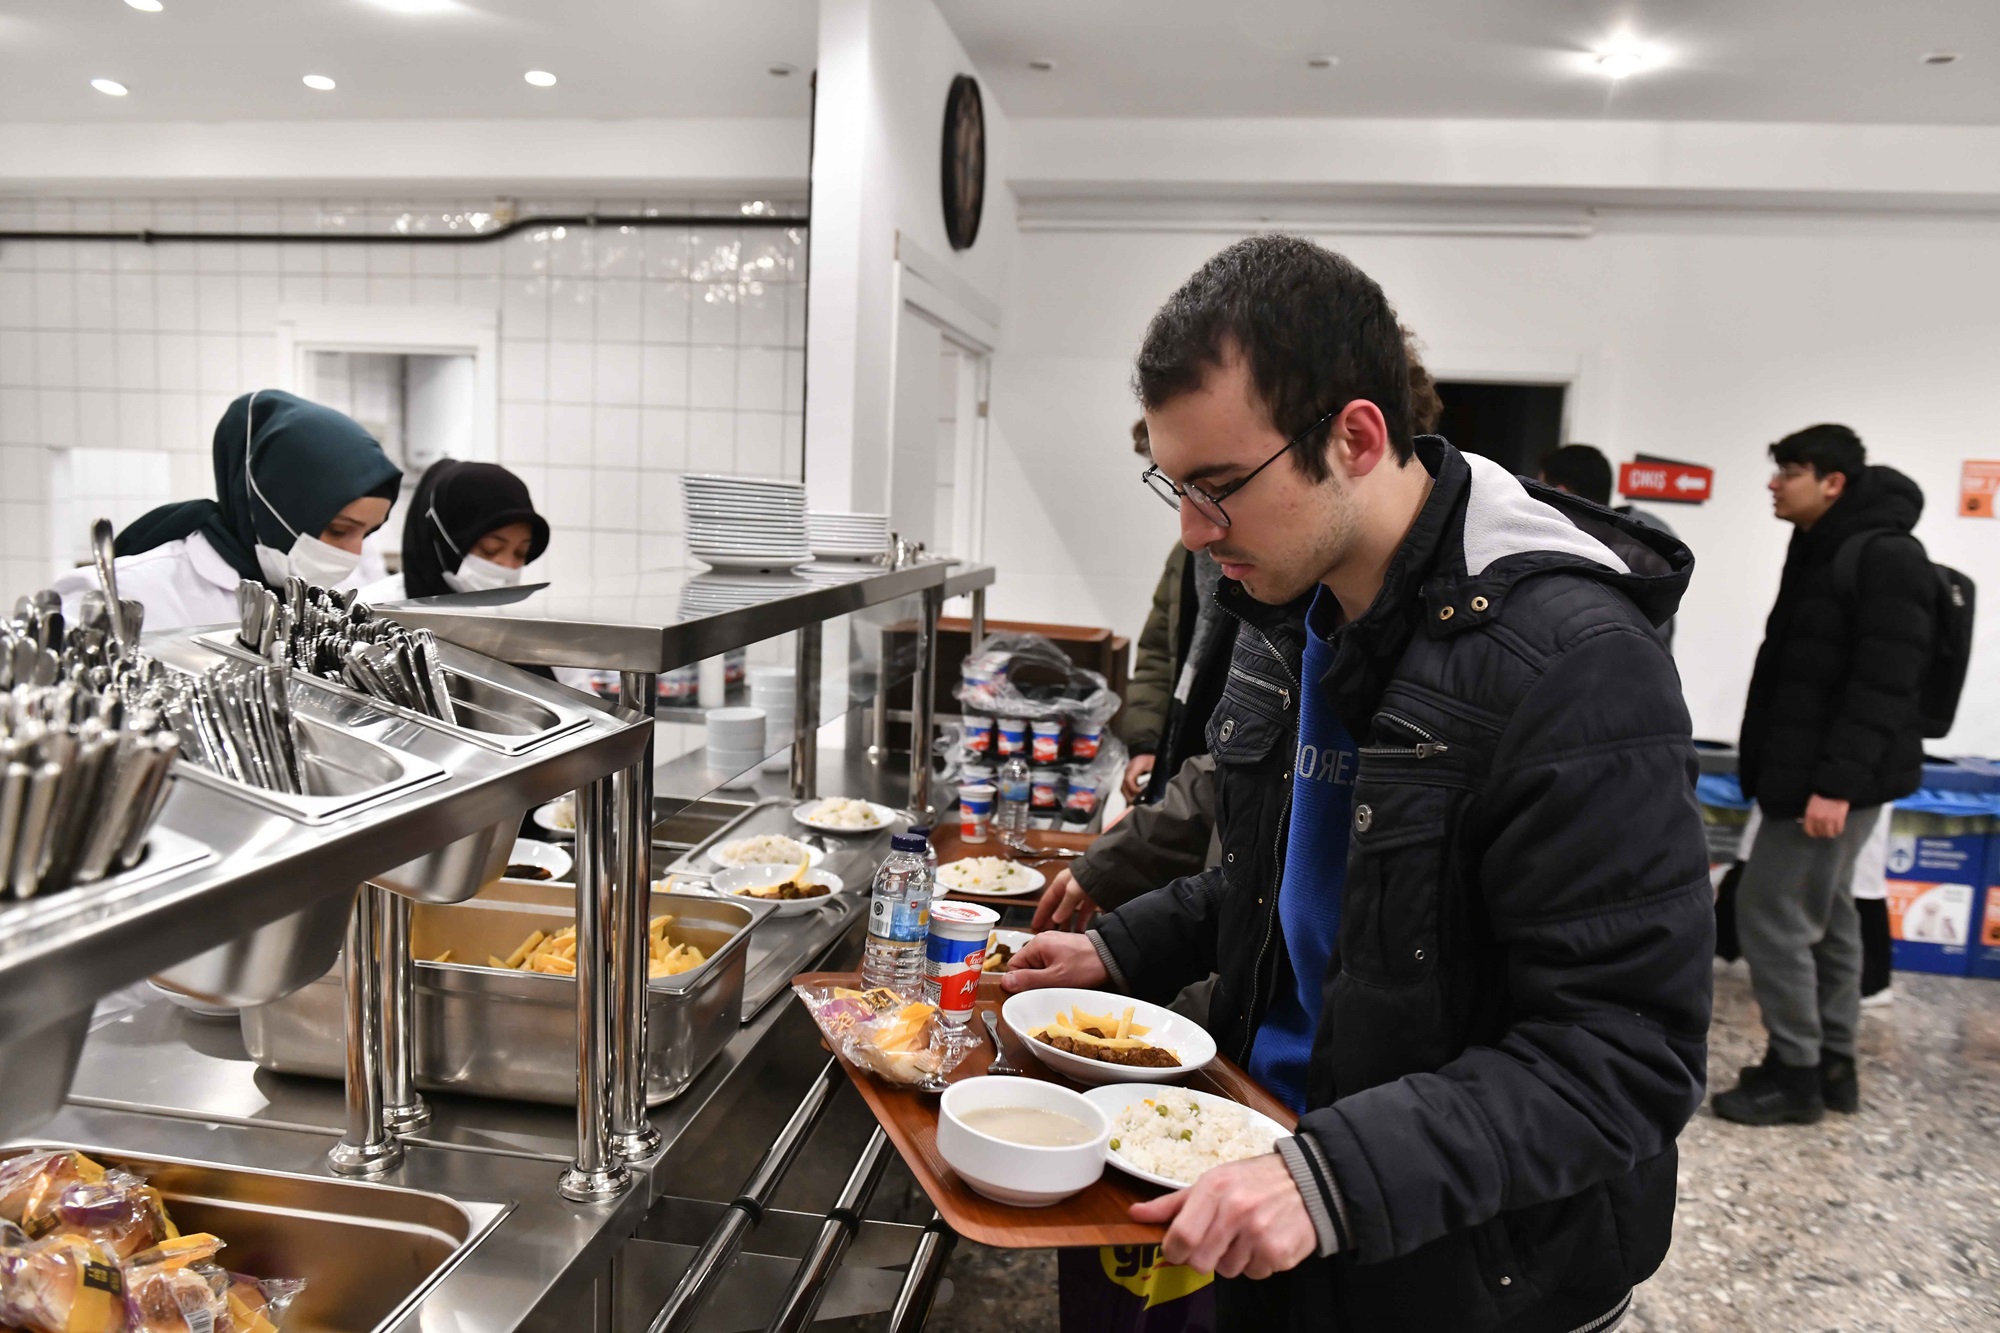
x: 1516, y: 1029
x: 1833, y: 702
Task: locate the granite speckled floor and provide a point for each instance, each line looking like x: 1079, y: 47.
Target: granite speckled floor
x: 1887, y: 1220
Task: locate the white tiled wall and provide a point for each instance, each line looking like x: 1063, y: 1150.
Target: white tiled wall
x: 626, y: 357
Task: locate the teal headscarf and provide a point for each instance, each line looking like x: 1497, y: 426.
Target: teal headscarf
x: 308, y: 462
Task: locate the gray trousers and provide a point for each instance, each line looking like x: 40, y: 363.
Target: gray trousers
x: 1801, y: 936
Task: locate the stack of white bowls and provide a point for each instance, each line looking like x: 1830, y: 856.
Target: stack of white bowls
x: 745, y: 522
x: 735, y: 744
x: 847, y: 536
x: 774, y: 692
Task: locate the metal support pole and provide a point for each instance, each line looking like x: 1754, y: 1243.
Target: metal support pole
x: 403, y: 1108
x: 843, y: 1220
x: 805, y: 716
x: 367, y: 1148
x: 978, y: 617
x: 632, y: 1133
x: 923, y: 701
x: 596, y: 1174
x: 920, y: 1283
x: 711, y: 1263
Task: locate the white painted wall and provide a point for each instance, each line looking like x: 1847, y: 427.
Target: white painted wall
x: 884, y: 69
x: 1701, y: 337
x: 262, y: 158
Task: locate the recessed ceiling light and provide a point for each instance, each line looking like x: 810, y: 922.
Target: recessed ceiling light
x: 149, y: 6
x: 417, y: 6
x: 1626, y: 59
x: 1322, y: 62
x: 781, y: 70
x: 1042, y: 66
x: 1940, y: 57
x: 319, y: 83
x: 109, y: 87
x: 541, y: 78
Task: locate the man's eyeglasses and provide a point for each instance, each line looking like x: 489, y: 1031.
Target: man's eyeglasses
x: 1209, y: 503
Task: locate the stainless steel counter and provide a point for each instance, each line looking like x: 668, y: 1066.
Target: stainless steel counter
x: 154, y: 1079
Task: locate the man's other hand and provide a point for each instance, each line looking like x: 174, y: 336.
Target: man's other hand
x: 1055, y: 959
x: 1064, y: 905
x: 1136, y: 772
x: 1245, y: 1219
x: 1825, y: 817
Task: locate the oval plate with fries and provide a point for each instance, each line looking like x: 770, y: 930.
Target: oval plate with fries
x: 790, y: 889
x: 1115, y: 1026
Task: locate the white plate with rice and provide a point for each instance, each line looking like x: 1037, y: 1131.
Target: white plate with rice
x: 844, y: 814
x: 762, y: 849
x: 1199, y: 1131
x: 991, y: 875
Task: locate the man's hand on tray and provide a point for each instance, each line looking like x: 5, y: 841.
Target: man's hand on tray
x: 1245, y: 1219
x: 1055, y: 959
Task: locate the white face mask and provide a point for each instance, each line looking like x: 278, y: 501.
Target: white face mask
x: 477, y: 575
x: 311, y: 559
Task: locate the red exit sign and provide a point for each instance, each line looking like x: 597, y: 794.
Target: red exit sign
x: 1675, y: 483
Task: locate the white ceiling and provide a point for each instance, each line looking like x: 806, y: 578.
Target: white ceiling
x: 1786, y: 60
x: 243, y: 59
x: 1771, y: 60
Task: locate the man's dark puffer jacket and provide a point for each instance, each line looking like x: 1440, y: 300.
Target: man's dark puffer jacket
x: 1832, y: 709
x: 1517, y: 1028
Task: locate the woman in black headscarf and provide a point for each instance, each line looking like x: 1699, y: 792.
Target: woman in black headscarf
x: 470, y: 527
x: 298, y: 487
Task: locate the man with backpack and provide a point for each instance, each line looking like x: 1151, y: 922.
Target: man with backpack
x: 1855, y: 666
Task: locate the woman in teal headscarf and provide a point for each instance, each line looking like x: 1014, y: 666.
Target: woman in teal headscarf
x: 298, y: 487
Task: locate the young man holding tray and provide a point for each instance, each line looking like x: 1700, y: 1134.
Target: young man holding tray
x: 1462, y: 921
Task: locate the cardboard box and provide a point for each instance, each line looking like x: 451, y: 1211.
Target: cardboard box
x: 1938, y: 869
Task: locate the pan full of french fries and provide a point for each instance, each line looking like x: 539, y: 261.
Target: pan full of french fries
x: 496, y: 998
x: 555, y: 954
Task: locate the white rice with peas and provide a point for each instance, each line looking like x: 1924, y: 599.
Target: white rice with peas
x: 1175, y: 1136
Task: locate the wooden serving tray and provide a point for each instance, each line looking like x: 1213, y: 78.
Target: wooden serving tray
x: 951, y: 847
x: 1096, y: 1216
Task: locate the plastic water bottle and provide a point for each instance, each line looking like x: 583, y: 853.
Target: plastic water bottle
x: 1010, y: 816
x: 899, y: 919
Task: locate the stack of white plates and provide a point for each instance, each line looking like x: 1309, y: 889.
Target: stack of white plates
x: 746, y: 522
x: 735, y: 742
x: 774, y: 692
x: 712, y: 594
x: 847, y: 536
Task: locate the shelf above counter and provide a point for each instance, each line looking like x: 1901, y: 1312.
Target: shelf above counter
x: 657, y: 621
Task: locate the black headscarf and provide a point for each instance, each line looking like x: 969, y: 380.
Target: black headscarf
x: 309, y: 462
x: 456, y: 504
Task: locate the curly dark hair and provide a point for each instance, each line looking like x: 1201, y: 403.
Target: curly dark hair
x: 1316, y: 332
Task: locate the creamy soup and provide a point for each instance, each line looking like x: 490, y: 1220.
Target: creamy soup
x: 1028, y: 1124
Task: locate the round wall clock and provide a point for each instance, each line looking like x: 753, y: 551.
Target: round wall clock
x: 964, y: 161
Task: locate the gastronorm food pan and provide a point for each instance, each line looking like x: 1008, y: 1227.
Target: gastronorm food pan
x: 364, y: 1251
x: 507, y: 1034
x: 487, y: 713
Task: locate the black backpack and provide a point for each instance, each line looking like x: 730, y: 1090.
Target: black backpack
x: 1951, y: 631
